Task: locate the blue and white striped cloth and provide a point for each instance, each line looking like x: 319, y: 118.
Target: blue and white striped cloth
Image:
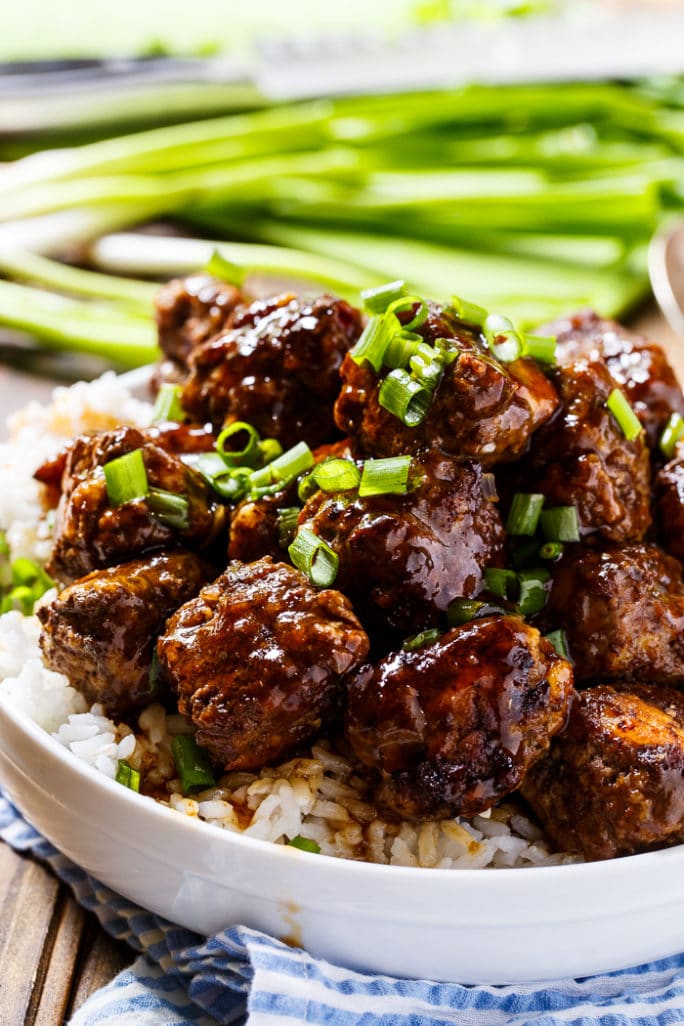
x: 241, y: 975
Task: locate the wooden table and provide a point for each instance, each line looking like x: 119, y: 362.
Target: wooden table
x: 53, y: 954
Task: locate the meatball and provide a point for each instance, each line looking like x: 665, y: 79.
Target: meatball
x: 668, y: 487
x: 640, y: 367
x: 255, y: 526
x: 582, y: 458
x: 613, y: 783
x: 453, y: 727
x: 190, y: 311
x: 404, y: 558
x: 276, y: 368
x: 101, y: 631
x: 91, y: 533
x: 481, y: 408
x: 623, y: 612
x: 258, y: 659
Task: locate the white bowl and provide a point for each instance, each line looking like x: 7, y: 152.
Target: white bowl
x: 465, y: 926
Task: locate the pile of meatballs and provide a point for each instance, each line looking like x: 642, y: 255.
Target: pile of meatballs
x: 211, y: 617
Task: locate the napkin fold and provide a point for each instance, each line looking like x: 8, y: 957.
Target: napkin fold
x: 244, y: 976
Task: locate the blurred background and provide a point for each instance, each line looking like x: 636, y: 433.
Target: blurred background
x: 520, y: 154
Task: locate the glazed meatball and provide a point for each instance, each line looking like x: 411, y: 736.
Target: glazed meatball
x: 668, y: 487
x: 481, y: 408
x: 255, y: 526
x: 101, y: 631
x: 582, y: 458
x: 90, y: 533
x: 453, y: 727
x: 404, y: 558
x: 613, y: 782
x: 640, y: 367
x: 276, y: 368
x: 190, y: 311
x: 258, y: 660
x: 623, y: 612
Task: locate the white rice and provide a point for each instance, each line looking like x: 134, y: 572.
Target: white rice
x: 318, y: 797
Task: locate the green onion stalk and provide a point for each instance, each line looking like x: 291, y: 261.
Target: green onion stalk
x: 532, y: 200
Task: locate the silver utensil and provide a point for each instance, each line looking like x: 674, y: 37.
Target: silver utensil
x: 666, y: 270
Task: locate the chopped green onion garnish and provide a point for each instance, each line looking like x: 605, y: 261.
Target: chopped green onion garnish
x: 225, y: 270
x: 540, y: 347
x: 270, y: 449
x: 448, y: 350
x: 378, y: 299
x: 619, y: 406
x: 471, y: 313
x: 232, y: 484
x: 533, y: 592
x: 385, y: 477
x: 192, y: 764
x: 169, y: 508
x: 551, y: 550
x: 375, y: 339
x: 21, y: 598
x: 128, y: 776
x: 314, y: 557
x: 307, y: 487
x: 407, y: 303
x: 405, y: 397
x: 126, y: 478
x: 336, y: 475
x: 502, y: 583
x: 463, y: 610
x: 503, y: 339
x: 4, y: 544
x: 245, y: 457
x: 422, y: 639
x: 27, y: 581
x: 524, y: 513
x: 154, y: 676
x: 427, y: 366
x: 283, y: 469
x: 400, y: 350
x: 304, y: 844
x: 673, y: 431
x: 168, y: 404
x: 560, y: 524
x: 287, y: 525
x: 560, y: 642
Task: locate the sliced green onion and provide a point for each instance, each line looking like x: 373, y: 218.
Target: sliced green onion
x: 287, y: 525
x: 283, y: 469
x: 168, y: 404
x: 378, y: 299
x: 560, y: 642
x: 523, y: 516
x: 540, y: 347
x: 560, y: 524
x: 401, y: 348
x: 387, y: 476
x: 421, y: 639
x: 270, y: 449
x: 337, y: 475
x: 245, y: 457
x: 192, y: 764
x: 232, y: 484
x: 502, y: 583
x: 471, y: 313
x: 128, y: 776
x: 405, y: 397
x: 154, y: 676
x: 427, y: 366
x: 4, y: 544
x: 448, y: 350
x: 533, y: 592
x: 673, y: 431
x: 463, y: 610
x: 225, y: 270
x: 304, y: 844
x: 314, y: 557
x: 619, y: 406
x: 307, y: 487
x: 169, y: 508
x: 126, y: 478
x: 21, y: 598
x: 551, y: 550
x: 504, y: 341
x: 407, y: 303
x: 374, y: 340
